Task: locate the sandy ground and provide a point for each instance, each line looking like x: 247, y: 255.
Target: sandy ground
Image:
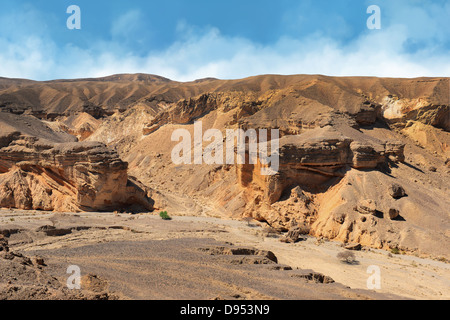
x: 94, y: 233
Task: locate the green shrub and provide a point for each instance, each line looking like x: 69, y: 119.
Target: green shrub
x: 395, y: 251
x: 164, y: 215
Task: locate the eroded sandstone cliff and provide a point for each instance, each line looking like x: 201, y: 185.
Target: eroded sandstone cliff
x: 40, y: 174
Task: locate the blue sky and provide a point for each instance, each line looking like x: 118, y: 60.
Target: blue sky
x: 191, y: 39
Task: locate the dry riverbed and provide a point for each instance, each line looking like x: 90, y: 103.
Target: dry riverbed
x: 144, y: 257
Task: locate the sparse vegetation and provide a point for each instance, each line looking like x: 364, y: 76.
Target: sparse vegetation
x: 395, y: 251
x: 248, y: 220
x: 347, y: 257
x: 320, y: 241
x: 53, y: 219
x: 164, y: 215
x: 271, y: 232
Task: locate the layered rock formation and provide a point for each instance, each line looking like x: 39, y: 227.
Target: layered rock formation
x: 41, y: 174
x: 342, y: 141
x: 313, y: 158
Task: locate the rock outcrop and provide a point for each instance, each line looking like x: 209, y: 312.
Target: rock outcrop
x: 24, y: 278
x: 316, y: 157
x: 73, y: 176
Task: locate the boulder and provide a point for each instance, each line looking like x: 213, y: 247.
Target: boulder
x: 293, y: 235
x: 366, y: 156
x: 3, y: 244
x: 39, y: 261
x: 396, y: 191
x: 395, y: 151
x: 353, y: 246
x: 367, y: 206
x: 393, y: 213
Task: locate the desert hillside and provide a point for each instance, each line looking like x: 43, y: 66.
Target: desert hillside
x: 362, y: 160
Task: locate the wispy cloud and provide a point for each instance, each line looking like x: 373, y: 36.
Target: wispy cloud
x: 127, y: 24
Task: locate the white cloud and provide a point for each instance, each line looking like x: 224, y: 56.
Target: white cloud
x: 208, y: 53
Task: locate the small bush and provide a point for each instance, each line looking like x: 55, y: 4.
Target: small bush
x: 164, y: 215
x: 270, y: 232
x: 347, y: 257
x: 320, y: 241
x: 248, y: 220
x: 395, y: 251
